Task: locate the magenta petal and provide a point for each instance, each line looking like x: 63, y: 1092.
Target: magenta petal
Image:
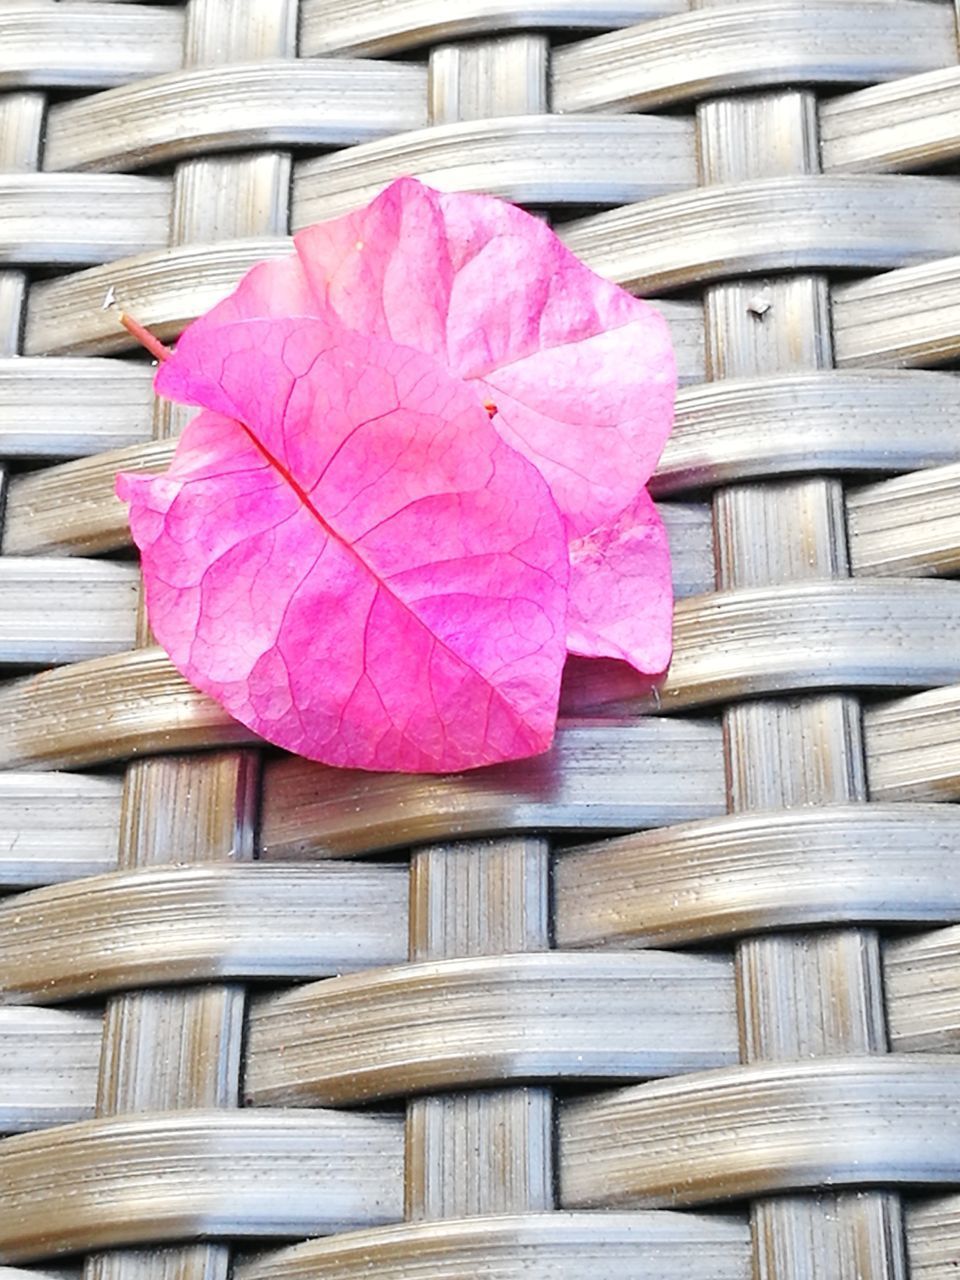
x: 621, y: 594
x: 277, y: 287
x: 385, y: 270
x: 595, y: 435
x: 582, y: 373
x: 363, y: 573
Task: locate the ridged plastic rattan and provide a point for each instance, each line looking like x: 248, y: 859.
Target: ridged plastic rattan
x: 678, y: 1001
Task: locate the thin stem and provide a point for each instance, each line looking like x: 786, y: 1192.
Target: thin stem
x: 145, y: 337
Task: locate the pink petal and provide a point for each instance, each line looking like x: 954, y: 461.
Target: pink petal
x: 277, y: 287
x: 363, y: 573
x: 385, y: 269
x: 582, y: 373
x: 621, y: 594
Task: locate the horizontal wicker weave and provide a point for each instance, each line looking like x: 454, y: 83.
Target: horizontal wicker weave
x: 678, y: 1001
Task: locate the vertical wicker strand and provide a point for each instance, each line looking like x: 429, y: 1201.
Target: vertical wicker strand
x: 181, y: 1048
x: 486, y: 1151
x: 21, y: 127
x: 819, y: 994
x: 489, y: 1150
x: 502, y: 77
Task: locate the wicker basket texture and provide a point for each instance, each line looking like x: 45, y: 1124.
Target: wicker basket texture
x: 680, y: 1000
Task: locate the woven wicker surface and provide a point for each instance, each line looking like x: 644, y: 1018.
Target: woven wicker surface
x: 681, y: 999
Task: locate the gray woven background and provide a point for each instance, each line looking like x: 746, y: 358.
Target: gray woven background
x: 467, y: 1027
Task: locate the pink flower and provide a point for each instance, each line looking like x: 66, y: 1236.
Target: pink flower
x: 347, y: 553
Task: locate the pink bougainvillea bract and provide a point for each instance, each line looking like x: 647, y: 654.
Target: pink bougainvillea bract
x: 347, y: 552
